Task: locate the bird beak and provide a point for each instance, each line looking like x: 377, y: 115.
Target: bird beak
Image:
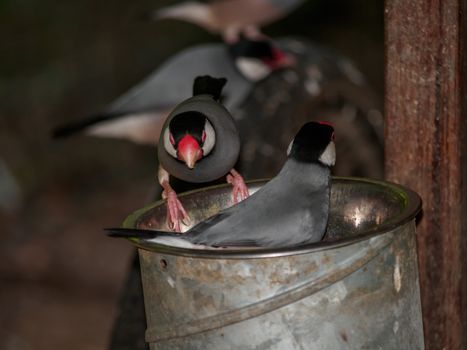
x: 190, y: 160
x: 189, y: 151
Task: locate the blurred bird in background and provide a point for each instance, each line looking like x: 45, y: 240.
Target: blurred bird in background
x: 230, y: 18
x: 138, y: 115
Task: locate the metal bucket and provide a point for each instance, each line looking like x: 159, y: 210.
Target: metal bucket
x: 358, y: 289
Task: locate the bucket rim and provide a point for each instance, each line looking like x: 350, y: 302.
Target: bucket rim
x: 412, y: 206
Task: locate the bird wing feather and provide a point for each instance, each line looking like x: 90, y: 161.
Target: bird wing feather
x: 293, y: 214
x: 172, y: 82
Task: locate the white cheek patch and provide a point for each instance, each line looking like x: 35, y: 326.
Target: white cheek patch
x: 252, y: 69
x: 328, y: 157
x: 210, y: 140
x: 168, y: 145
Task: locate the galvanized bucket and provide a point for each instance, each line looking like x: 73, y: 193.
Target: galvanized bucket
x: 358, y: 289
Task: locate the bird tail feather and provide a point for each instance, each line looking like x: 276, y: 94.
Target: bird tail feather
x: 121, y: 232
x: 81, y: 125
x: 208, y: 85
x: 153, y: 236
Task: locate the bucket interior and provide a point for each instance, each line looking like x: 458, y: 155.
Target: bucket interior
x: 359, y: 207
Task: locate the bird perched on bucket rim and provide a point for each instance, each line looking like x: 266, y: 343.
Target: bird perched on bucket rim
x: 290, y: 210
x: 199, y: 143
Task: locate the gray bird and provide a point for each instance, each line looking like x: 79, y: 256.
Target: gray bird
x: 138, y: 115
x: 230, y: 18
x: 199, y: 143
x: 289, y: 210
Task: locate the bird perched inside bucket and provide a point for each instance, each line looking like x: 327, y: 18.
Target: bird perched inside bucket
x: 290, y: 210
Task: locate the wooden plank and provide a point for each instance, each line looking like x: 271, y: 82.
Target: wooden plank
x: 425, y: 148
x: 463, y: 131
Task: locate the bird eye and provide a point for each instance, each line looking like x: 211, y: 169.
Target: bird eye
x: 172, y: 140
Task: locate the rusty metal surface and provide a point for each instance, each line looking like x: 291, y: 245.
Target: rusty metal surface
x: 425, y: 148
x: 357, y: 290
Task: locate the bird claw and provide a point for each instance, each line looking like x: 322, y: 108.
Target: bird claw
x: 239, y: 186
x: 175, y: 212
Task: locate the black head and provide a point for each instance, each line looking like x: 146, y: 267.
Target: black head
x: 314, y: 142
x: 189, y: 137
x: 257, y: 58
x: 187, y: 123
x: 261, y: 48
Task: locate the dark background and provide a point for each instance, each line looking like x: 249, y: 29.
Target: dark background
x: 60, y: 277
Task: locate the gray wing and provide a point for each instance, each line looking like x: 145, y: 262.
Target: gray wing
x: 173, y: 81
x: 278, y: 215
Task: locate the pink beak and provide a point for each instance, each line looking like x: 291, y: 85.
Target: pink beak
x: 189, y: 151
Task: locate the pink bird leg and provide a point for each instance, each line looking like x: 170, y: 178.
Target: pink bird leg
x: 175, y: 211
x: 239, y: 186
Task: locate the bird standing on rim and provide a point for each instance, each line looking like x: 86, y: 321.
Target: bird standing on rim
x: 199, y: 143
x: 290, y: 210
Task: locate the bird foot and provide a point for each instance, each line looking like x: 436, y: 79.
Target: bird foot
x: 239, y: 186
x: 175, y: 211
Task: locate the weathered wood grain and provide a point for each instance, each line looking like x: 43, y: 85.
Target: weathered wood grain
x: 425, y: 148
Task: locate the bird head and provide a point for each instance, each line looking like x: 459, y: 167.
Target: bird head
x: 257, y: 58
x: 189, y: 137
x: 314, y: 142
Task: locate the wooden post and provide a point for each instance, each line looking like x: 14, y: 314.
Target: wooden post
x: 426, y: 149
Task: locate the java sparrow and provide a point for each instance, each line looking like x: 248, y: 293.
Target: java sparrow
x: 138, y: 115
x: 291, y: 209
x: 199, y: 143
x: 230, y: 18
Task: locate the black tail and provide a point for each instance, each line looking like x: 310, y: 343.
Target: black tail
x: 137, y: 233
x: 208, y: 85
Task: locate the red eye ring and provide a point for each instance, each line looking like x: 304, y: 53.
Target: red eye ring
x: 171, y: 139
x: 203, y: 136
